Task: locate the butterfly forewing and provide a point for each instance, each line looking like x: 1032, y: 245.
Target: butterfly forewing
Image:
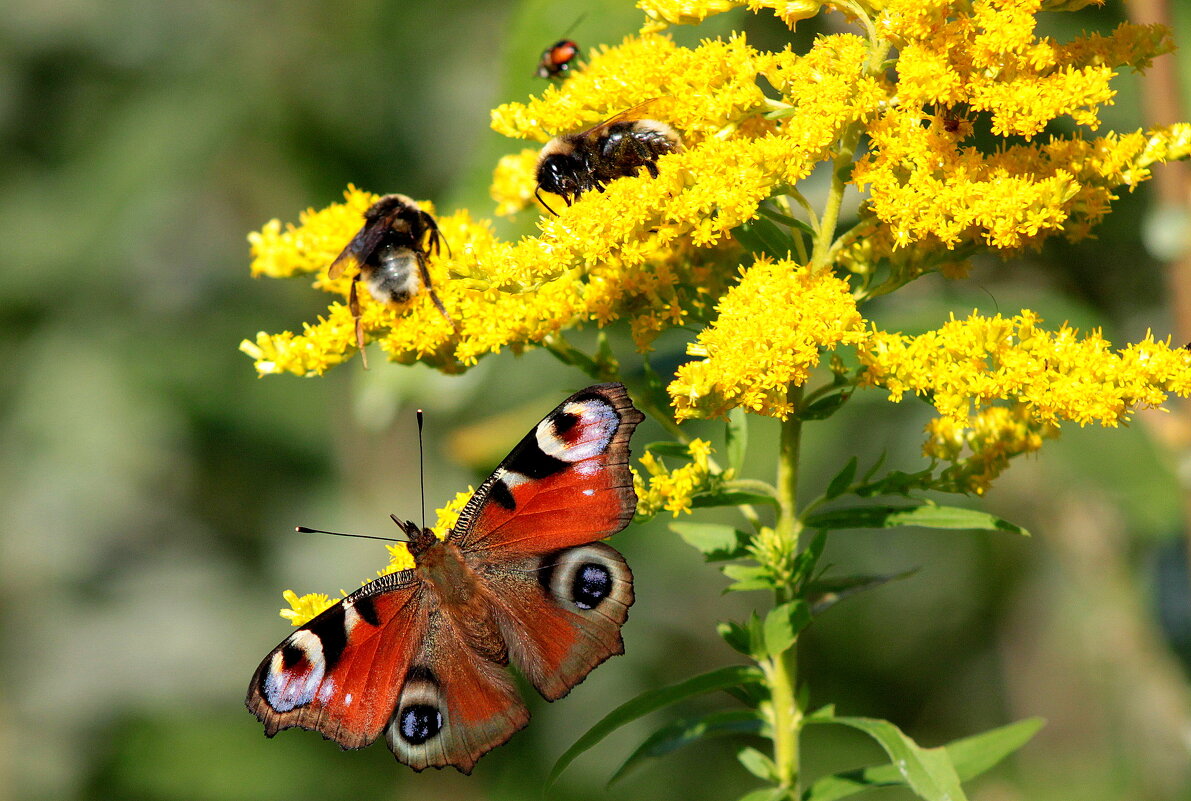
x: 566, y: 483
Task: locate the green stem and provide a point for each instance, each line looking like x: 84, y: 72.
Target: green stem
x: 782, y: 668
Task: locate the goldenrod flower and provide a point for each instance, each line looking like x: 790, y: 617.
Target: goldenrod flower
x: 672, y: 490
x: 980, y: 448
x: 969, y: 365
x: 769, y: 334
x: 305, y: 608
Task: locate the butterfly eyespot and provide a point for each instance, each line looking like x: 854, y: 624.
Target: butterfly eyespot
x: 591, y: 585
x: 419, y: 723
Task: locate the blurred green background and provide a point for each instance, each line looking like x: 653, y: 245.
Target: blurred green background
x: 150, y: 482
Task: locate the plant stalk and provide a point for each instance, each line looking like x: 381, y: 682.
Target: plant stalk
x: 782, y: 668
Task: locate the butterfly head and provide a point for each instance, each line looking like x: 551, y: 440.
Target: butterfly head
x: 420, y: 539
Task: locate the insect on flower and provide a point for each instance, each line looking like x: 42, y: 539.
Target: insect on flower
x: 574, y: 163
x: 557, y: 59
x: 390, y: 253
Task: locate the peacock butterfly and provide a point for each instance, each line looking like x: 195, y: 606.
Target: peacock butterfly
x: 419, y: 654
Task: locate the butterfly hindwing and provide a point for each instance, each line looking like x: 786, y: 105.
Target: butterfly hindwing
x: 561, y: 612
x: 453, y: 707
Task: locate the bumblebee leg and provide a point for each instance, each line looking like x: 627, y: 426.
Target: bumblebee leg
x: 353, y: 303
x: 434, y: 295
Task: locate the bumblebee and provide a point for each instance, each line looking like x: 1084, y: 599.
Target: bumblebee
x: 557, y: 58
x: 574, y: 163
x: 390, y: 254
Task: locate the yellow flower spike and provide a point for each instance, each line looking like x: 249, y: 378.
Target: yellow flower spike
x: 662, y: 13
x: 672, y: 490
x: 514, y: 181
x: 991, y: 437
x: 314, y: 243
x: 969, y: 365
x: 305, y: 608
x: 769, y: 334
x: 700, y: 90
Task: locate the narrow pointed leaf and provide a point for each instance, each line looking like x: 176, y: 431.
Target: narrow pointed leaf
x: 757, y: 763
x: 842, y: 480
x: 926, y: 515
x: 731, y: 498
x: 685, y: 732
x: 929, y: 772
x: 766, y: 794
x: 736, y: 636
x: 668, y: 448
x: 971, y: 756
x: 651, y: 701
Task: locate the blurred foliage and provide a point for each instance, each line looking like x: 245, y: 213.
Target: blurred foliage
x: 149, y: 481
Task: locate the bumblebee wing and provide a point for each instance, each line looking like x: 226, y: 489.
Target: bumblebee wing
x: 363, y: 243
x: 633, y: 112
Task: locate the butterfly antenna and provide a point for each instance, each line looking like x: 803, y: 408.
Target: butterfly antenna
x: 305, y: 530
x: 421, y: 470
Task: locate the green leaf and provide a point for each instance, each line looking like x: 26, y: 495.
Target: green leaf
x: 929, y: 772
x: 926, y: 515
x: 787, y: 220
x: 896, y: 482
x: 682, y: 733
x: 826, y: 593
x: 825, y: 406
x: 782, y: 625
x: 736, y: 636
x: 766, y: 794
x: 842, y: 480
x: 747, y: 577
x: 737, y: 438
x: 715, y: 541
x: 761, y: 236
x: 971, y: 757
x: 650, y: 701
x: 757, y: 763
x: 665, y: 448
x: 805, y: 561
x: 727, y: 497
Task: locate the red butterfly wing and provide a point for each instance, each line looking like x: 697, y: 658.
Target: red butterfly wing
x: 566, y: 483
x: 454, y: 706
x: 341, y: 673
x: 385, y: 659
x: 560, y: 613
x: 529, y: 532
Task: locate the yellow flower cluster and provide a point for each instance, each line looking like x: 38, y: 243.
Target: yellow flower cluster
x: 969, y: 365
x: 662, y: 13
x: 769, y: 334
x: 652, y: 250
x: 958, y: 60
x: 672, y: 490
x: 305, y: 608
x: 980, y: 448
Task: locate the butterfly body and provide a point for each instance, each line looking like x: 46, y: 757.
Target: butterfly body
x: 419, y: 655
